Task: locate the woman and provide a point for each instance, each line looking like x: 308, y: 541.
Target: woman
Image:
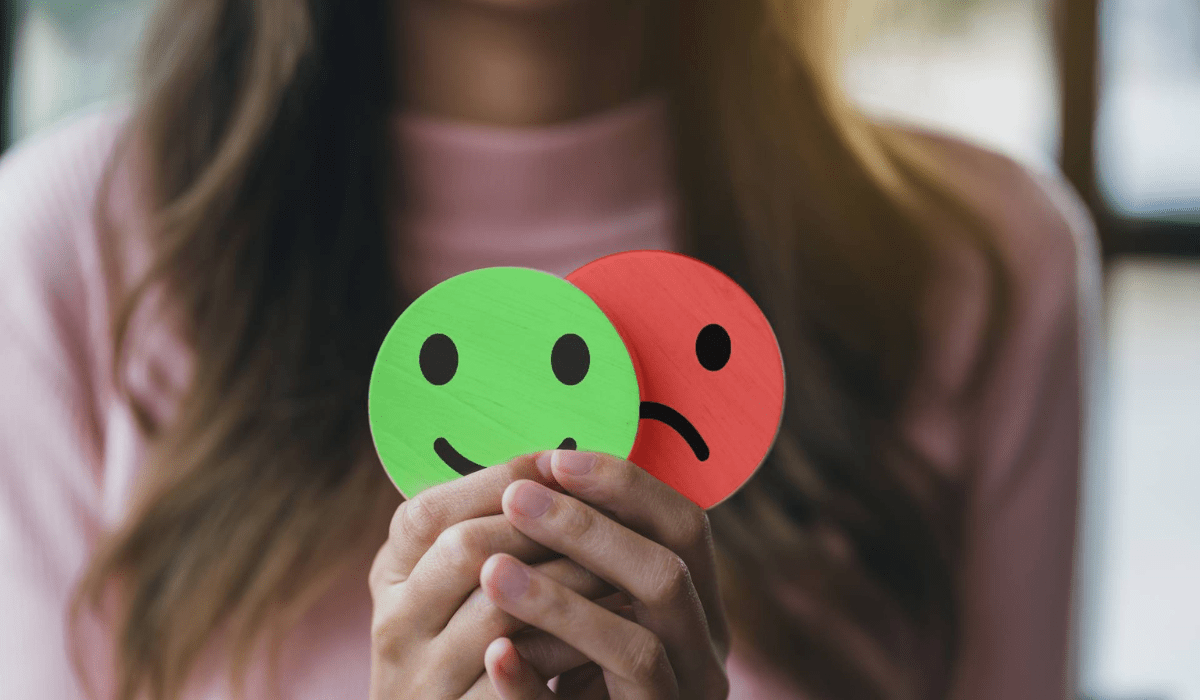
x: 193, y: 294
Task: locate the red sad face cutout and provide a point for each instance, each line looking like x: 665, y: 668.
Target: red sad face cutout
x: 708, y: 364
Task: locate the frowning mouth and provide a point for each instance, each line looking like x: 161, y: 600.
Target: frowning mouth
x: 454, y: 459
x: 674, y: 419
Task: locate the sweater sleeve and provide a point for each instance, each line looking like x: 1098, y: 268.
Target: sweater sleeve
x: 1025, y: 439
x: 51, y: 429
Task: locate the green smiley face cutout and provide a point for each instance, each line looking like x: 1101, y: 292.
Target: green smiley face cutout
x: 492, y: 364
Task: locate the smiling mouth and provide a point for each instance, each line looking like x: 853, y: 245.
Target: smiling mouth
x: 675, y: 420
x: 454, y: 459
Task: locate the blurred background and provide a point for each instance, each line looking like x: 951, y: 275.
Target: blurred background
x: 1108, y: 92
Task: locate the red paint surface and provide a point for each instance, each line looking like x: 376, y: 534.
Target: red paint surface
x: 659, y: 302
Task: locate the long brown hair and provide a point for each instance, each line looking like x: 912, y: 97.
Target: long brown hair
x: 264, y: 125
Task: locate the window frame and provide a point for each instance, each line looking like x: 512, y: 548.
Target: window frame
x: 9, y: 23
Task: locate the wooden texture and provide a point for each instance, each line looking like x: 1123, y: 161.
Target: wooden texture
x: 709, y: 368
x: 495, y: 363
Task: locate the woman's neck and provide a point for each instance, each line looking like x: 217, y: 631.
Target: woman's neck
x: 523, y: 62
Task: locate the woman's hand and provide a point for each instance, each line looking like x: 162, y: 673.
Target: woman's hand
x: 656, y: 548
x: 431, y: 624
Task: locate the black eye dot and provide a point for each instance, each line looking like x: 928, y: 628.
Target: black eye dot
x: 570, y: 359
x: 713, y: 347
x: 439, y: 359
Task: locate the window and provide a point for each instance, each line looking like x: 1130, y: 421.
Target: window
x: 982, y: 69
x: 68, y: 55
x: 1148, y: 143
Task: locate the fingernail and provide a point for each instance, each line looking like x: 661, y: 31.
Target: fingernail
x: 531, y: 500
x: 543, y: 463
x: 509, y: 662
x: 573, y: 462
x: 511, y: 579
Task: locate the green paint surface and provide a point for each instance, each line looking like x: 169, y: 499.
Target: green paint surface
x: 504, y: 398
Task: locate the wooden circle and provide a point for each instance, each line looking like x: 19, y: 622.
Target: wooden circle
x: 709, y: 368
x: 495, y: 363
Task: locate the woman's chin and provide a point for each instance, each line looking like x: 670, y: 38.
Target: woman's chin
x: 526, y: 5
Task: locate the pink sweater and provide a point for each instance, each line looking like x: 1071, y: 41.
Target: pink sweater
x: 552, y: 198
